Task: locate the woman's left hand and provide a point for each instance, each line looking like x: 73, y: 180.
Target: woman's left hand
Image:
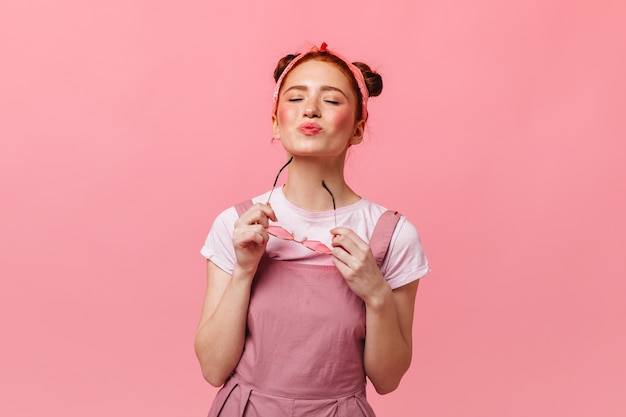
x: 354, y: 259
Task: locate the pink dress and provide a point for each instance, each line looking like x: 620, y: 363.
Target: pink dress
x: 303, y: 354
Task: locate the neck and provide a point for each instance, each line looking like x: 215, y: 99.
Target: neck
x: 304, y: 184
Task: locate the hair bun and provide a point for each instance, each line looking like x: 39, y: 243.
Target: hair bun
x: 373, y: 80
x: 282, y: 64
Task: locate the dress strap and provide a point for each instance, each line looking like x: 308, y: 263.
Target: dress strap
x: 381, y: 237
x: 243, y: 207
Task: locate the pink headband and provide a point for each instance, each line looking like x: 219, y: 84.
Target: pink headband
x: 358, y: 75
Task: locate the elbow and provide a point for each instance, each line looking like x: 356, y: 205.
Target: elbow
x: 213, y: 378
x: 386, y: 388
x: 387, y: 382
x: 214, y: 375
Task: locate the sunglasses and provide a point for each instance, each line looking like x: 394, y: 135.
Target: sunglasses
x: 284, y: 234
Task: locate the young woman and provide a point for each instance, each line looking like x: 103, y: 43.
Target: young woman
x: 311, y: 288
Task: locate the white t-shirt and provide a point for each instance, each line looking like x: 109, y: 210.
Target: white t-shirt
x: 405, y: 260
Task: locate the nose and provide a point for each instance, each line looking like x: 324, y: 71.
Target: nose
x: 311, y: 109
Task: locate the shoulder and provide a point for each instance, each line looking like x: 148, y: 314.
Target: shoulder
x: 406, y: 259
x: 219, y: 238
x: 230, y: 214
x: 361, y: 217
x: 404, y: 230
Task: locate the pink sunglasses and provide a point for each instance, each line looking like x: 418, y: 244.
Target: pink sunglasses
x: 282, y: 233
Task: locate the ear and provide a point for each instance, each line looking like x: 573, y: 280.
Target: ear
x: 275, y: 127
x: 359, y: 132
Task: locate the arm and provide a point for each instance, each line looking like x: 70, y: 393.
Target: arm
x: 389, y: 314
x: 388, y: 344
x: 221, y: 333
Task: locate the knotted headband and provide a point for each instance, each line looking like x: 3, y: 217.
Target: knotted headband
x: 358, y: 75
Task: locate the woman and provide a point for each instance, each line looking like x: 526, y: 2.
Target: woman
x: 293, y: 325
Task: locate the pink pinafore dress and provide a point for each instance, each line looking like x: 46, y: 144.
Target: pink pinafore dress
x: 303, y: 354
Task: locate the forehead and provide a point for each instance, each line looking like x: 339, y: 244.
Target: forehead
x: 316, y: 72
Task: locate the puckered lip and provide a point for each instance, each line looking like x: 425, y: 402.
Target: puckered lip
x: 310, y: 128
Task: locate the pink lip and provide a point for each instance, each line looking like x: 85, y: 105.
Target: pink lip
x: 310, y: 128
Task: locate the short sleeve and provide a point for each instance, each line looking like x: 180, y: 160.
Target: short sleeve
x: 218, y: 246
x: 405, y: 261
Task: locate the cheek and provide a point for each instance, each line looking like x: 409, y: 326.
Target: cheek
x: 344, y: 118
x: 284, y: 114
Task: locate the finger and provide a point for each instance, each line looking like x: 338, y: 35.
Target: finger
x: 340, y: 231
x: 348, y: 241
x: 261, y: 238
x: 343, y: 269
x: 268, y: 211
x: 349, y: 234
x: 340, y: 256
x: 258, y: 214
x: 255, y: 234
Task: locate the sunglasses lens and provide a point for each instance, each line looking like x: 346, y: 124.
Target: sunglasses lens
x: 279, y: 232
x: 313, y: 245
x: 316, y: 246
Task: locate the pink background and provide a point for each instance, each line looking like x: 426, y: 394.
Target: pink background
x: 127, y: 125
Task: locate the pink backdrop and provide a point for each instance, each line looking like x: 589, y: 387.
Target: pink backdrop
x: 127, y: 125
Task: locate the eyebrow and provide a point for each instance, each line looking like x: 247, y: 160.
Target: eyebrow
x: 323, y: 88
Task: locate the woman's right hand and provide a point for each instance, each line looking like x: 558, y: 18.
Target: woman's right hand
x: 221, y: 334
x: 250, y: 236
